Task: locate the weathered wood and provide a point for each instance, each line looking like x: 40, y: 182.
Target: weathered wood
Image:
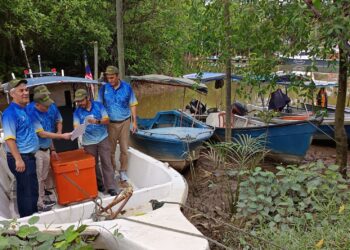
x: 120, y: 38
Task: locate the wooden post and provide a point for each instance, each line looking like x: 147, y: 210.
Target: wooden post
x: 120, y: 38
x: 228, y: 132
x: 95, y: 60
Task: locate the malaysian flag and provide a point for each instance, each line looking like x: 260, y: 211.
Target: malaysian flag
x: 88, y: 74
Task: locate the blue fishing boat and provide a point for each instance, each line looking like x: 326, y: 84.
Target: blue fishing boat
x: 288, y: 141
x: 171, y: 136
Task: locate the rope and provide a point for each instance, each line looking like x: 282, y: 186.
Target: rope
x: 83, y: 191
x: 176, y: 231
x: 158, y: 204
x: 318, y: 128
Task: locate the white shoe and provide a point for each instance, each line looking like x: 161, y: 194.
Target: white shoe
x: 123, y: 176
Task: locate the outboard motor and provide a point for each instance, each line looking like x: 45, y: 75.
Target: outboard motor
x: 238, y: 108
x: 196, y: 107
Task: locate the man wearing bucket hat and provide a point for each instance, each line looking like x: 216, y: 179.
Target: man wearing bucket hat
x: 95, y: 138
x: 120, y: 102
x: 21, y: 145
x: 40, y: 113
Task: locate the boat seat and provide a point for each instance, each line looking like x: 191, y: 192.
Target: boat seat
x: 222, y: 119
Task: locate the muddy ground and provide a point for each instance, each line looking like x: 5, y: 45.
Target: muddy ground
x: 209, y: 198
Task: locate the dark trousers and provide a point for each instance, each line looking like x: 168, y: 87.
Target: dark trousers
x: 103, y: 150
x: 27, y: 184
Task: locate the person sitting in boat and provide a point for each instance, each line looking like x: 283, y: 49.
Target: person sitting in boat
x: 278, y: 100
x: 321, y: 98
x: 47, y: 118
x: 120, y: 103
x: 95, y: 138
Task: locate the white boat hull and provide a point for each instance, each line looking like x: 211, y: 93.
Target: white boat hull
x: 151, y: 179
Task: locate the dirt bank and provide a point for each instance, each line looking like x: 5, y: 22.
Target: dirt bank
x: 208, y: 193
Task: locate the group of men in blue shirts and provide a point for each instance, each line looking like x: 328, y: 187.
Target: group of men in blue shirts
x: 29, y: 128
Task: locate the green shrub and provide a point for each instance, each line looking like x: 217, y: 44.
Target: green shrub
x: 294, y: 196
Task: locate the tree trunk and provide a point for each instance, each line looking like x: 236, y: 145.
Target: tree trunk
x: 228, y: 69
x: 120, y: 38
x: 340, y: 134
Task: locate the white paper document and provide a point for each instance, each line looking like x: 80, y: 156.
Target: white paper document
x: 80, y: 130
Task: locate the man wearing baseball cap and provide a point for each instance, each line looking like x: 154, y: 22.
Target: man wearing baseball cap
x: 120, y: 102
x: 21, y: 145
x: 40, y: 112
x: 95, y: 138
x: 57, y: 125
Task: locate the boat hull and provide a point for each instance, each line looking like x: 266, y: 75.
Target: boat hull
x: 288, y: 142
x: 172, y: 137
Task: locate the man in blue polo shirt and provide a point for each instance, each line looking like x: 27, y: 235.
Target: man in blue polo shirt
x: 41, y: 112
x: 21, y: 145
x: 120, y: 102
x: 95, y: 138
x: 56, y: 125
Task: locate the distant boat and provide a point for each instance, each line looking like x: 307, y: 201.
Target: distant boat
x: 171, y: 136
x: 287, y: 142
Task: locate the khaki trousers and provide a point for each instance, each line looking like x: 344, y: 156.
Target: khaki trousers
x: 103, y: 150
x: 42, y: 171
x: 119, y: 132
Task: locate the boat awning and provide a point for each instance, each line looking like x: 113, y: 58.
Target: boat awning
x: 168, y: 80
x: 279, y: 78
x: 48, y: 80
x: 205, y: 76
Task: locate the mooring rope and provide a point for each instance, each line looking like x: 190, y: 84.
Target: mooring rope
x: 158, y: 204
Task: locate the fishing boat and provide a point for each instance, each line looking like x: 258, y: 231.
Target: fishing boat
x: 287, y: 141
x: 142, y: 225
x: 324, y: 132
x: 171, y: 136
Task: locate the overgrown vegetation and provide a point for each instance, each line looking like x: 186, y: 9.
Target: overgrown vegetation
x: 13, y: 235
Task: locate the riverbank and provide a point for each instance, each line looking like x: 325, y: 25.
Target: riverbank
x: 209, y: 194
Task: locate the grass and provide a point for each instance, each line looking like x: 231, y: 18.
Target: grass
x: 324, y: 235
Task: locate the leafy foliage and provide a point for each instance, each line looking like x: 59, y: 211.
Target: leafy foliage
x: 16, y: 236
x: 294, y: 196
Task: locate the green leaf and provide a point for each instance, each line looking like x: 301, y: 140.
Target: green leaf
x: 33, y: 220
x: 42, y: 236
x: 277, y: 218
x: 23, y: 231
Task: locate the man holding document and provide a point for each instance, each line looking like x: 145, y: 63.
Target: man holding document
x: 95, y: 139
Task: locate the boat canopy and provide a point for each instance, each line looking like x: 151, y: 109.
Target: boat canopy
x: 47, y: 80
x: 205, y: 76
x: 168, y: 80
x: 280, y: 78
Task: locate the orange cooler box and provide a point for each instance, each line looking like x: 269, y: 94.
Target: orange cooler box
x: 74, y: 176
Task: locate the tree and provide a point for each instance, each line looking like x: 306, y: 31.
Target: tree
x: 331, y: 18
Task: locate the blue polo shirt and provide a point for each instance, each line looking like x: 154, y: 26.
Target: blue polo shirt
x: 18, y: 126
x: 94, y: 133
x: 117, y: 101
x: 47, y: 120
